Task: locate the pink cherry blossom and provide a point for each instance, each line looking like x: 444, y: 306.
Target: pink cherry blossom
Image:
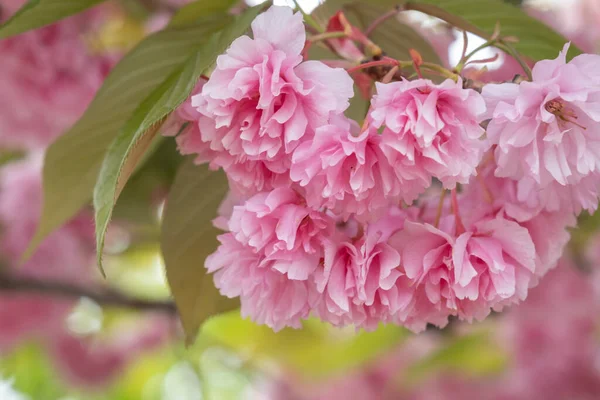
x: 430, y: 130
x: 279, y: 225
x: 49, y: 76
x: 490, y: 264
x: 262, y: 100
x: 347, y: 171
x: 546, y: 133
x: 360, y: 282
x: 267, y: 296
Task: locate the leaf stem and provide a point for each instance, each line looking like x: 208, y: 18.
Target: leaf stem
x: 327, y: 35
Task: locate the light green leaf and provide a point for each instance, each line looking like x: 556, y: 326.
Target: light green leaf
x: 37, y: 13
x: 476, y: 354
x: 187, y: 238
x: 72, y: 162
x: 317, y: 350
x: 139, y: 131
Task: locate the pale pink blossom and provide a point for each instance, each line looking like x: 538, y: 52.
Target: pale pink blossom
x: 576, y: 20
x: 430, y: 130
x: 262, y: 100
x: 66, y: 253
x: 267, y: 296
x: 546, y: 133
x: 346, y: 171
x: 48, y: 78
x: 488, y: 195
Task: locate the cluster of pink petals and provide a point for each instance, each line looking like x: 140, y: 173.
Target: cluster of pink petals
x: 546, y: 133
x: 430, y: 130
x: 347, y: 223
x: 467, y: 274
x: 344, y: 170
x: 48, y: 77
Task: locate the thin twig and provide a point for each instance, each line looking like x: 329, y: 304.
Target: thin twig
x: 105, y: 297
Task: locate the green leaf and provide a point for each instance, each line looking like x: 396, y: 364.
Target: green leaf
x: 72, y: 162
x: 199, y: 8
x: 139, y: 131
x: 187, y: 238
x: 37, y: 13
x: 536, y: 40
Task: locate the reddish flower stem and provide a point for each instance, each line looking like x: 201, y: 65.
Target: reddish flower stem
x: 386, y: 61
x: 440, y: 208
x: 460, y: 228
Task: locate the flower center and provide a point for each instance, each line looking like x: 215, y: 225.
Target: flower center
x: 563, y: 113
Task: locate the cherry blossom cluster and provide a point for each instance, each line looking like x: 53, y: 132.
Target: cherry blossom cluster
x: 443, y: 202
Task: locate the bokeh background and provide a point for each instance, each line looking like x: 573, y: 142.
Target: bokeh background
x: 68, y: 334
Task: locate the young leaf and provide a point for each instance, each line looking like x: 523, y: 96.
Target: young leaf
x: 72, y: 162
x: 37, y: 13
x: 187, y: 238
x: 138, y: 132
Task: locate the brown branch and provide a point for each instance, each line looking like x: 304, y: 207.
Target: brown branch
x: 105, y: 297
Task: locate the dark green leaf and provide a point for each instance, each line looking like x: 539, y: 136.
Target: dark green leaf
x: 37, y: 13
